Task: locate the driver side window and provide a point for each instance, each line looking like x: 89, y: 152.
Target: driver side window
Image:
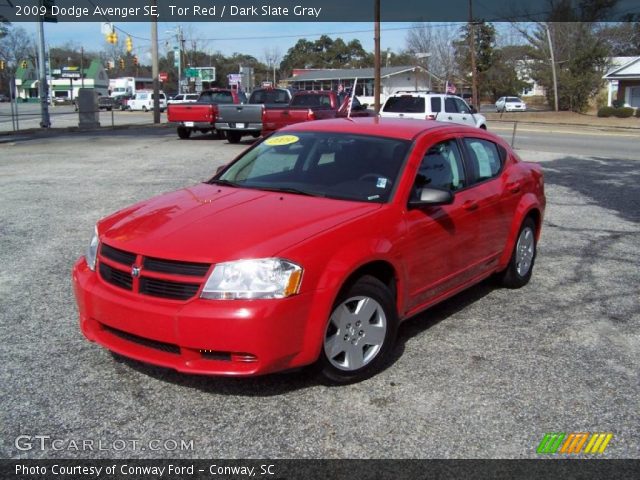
x: 442, y: 168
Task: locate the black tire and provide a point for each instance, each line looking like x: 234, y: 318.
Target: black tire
x: 184, y: 133
x: 233, y: 137
x: 483, y: 127
x: 144, y: 108
x: 220, y: 135
x: 517, y: 274
x: 255, y: 134
x: 381, y: 315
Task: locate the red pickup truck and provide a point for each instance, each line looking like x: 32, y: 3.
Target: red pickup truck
x: 201, y: 115
x: 312, y: 105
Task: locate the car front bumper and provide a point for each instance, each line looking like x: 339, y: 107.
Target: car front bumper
x: 210, y: 337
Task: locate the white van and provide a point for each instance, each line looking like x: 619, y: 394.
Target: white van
x: 143, y: 100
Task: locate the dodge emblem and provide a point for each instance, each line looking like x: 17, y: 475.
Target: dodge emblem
x: 135, y: 271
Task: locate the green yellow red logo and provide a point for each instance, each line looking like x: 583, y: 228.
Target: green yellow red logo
x: 574, y: 443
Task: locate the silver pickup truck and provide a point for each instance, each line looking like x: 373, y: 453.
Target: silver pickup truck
x: 239, y: 120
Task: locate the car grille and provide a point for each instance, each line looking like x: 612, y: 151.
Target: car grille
x: 116, y: 267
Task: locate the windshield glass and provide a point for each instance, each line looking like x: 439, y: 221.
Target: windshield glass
x: 340, y: 166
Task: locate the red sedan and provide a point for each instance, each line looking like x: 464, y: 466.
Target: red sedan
x: 310, y: 248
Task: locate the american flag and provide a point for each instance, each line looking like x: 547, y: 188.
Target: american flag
x: 451, y: 88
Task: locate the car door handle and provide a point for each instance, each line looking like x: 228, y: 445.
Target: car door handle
x: 470, y: 205
x: 450, y: 118
x: 513, y: 187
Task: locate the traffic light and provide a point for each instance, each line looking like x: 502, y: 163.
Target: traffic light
x: 129, y: 44
x: 135, y: 61
x: 24, y: 64
x: 112, y: 37
x: 122, y: 64
x: 1, y: 64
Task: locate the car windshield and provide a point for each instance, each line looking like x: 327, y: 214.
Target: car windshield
x: 340, y: 166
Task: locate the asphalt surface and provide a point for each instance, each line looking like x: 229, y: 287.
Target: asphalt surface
x: 485, y: 375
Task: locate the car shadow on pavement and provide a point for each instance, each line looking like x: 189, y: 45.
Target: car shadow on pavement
x: 613, y: 184
x: 284, y: 382
x: 423, y: 321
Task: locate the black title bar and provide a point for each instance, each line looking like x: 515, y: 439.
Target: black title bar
x: 177, y: 11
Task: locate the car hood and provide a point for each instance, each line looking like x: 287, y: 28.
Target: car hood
x: 211, y: 223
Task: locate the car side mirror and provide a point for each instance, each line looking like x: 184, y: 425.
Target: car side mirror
x: 430, y: 197
x: 220, y: 168
x: 364, y: 106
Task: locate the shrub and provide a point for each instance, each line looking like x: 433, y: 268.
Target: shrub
x: 605, y: 112
x: 624, y: 112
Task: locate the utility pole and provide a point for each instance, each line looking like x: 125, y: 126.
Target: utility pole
x: 45, y: 121
x: 472, y: 51
x: 553, y: 68
x: 376, y: 42
x: 154, y: 66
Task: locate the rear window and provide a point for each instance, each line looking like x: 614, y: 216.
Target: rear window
x: 436, y: 104
x: 513, y: 100
x: 311, y: 101
x: 215, y: 97
x: 404, y: 104
x: 270, y: 96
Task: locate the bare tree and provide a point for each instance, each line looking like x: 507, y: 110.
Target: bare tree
x: 272, y: 57
x: 17, y: 45
x: 438, y: 42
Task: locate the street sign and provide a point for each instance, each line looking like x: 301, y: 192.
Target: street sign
x: 191, y: 72
x: 208, y: 74
x: 163, y: 76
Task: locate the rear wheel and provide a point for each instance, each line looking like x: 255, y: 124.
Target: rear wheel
x: 233, y: 137
x: 360, y: 333
x: 184, y: 133
x: 520, y: 268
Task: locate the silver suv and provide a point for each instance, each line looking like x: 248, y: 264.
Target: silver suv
x: 432, y: 106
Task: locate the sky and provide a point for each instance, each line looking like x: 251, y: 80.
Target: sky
x: 248, y: 38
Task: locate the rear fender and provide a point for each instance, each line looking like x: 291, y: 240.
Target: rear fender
x: 528, y: 205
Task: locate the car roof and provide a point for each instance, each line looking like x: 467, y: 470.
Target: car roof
x: 404, y: 129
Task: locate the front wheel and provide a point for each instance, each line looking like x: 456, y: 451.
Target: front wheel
x: 518, y: 272
x: 360, y: 333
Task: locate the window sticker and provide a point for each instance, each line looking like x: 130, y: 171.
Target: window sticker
x: 381, y: 183
x: 281, y: 140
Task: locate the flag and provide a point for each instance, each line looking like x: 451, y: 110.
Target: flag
x: 451, y: 88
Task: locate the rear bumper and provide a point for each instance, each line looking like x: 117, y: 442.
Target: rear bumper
x: 196, y: 125
x: 247, y: 128
x: 234, y: 338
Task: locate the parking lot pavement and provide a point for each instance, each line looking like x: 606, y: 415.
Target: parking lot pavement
x: 485, y: 375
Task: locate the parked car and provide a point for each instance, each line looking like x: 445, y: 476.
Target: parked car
x: 307, y: 105
x: 239, y: 120
x: 310, y: 248
x: 510, y: 104
x: 202, y: 115
x: 106, y: 103
x: 143, y: 100
x: 184, y: 98
x: 432, y: 106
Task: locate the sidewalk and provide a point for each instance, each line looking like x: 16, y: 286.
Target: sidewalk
x: 566, y: 118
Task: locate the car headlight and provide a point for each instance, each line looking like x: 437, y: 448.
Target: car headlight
x: 92, y: 250
x: 250, y: 279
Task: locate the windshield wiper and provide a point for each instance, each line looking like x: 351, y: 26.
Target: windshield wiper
x: 226, y: 183
x: 288, y: 190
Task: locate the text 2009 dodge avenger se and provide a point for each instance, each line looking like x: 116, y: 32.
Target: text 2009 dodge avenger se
x: 310, y: 248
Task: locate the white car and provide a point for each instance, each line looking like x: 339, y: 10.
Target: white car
x: 510, y: 104
x: 432, y: 106
x: 184, y: 98
x: 143, y: 100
